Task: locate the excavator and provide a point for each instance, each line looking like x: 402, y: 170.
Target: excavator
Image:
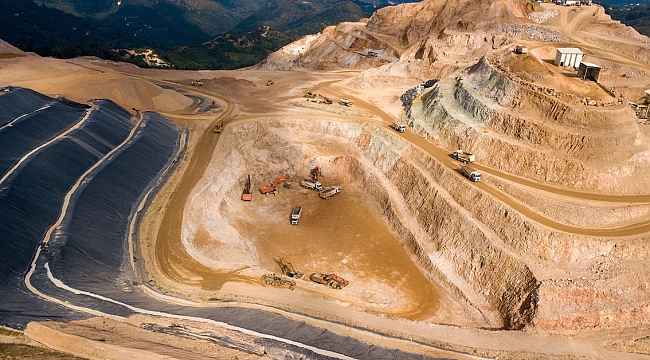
x: 266, y: 189
x: 326, y: 100
x: 310, y: 95
x: 197, y: 82
x: 247, y: 195
x: 316, y: 173
x: 288, y: 269
x: 331, y: 280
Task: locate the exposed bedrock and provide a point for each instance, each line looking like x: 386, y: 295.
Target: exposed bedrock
x: 514, y: 128
x: 422, y: 202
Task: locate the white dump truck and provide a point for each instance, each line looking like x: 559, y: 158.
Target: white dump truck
x: 470, y: 173
x: 463, y: 157
x: 310, y: 184
x: 295, y: 215
x: 399, y: 127
x: 345, y: 102
x: 329, y: 192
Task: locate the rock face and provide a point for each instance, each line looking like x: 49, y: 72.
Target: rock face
x: 532, y: 134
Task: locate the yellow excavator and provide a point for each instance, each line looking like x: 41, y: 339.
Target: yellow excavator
x: 197, y: 82
x: 288, y: 269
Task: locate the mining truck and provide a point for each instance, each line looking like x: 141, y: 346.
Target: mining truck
x: 398, y: 126
x: 295, y: 215
x: 329, y: 192
x: 309, y: 184
x: 331, y: 280
x: 288, y: 269
x: 266, y: 189
x: 463, y: 157
x: 197, y: 82
x: 345, y: 102
x: 470, y: 173
x: 247, y: 195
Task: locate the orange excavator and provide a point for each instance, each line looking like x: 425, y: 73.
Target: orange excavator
x: 316, y: 173
x: 264, y: 189
x: 247, y: 195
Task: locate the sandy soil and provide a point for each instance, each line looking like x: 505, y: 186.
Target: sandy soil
x: 345, y: 235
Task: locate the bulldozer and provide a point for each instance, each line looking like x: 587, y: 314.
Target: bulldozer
x: 310, y: 95
x: 274, y: 280
x: 266, y: 189
x: 288, y: 269
x: 316, y: 173
x: 218, y: 127
x: 331, y: 280
x: 197, y: 82
x: 270, y: 82
x: 247, y: 195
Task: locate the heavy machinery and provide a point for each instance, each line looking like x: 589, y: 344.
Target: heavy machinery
x: 331, y: 280
x: 329, y: 192
x: 463, y: 157
x: 197, y: 82
x: 274, y: 280
x: 288, y: 269
x: 316, y: 173
x: 326, y: 100
x: 264, y: 189
x: 309, y: 184
x: 470, y: 173
x: 310, y: 95
x: 345, y: 102
x: 270, y: 82
x: 247, y: 195
x: 296, y: 213
x: 218, y: 127
x: 398, y: 126
x: 520, y: 49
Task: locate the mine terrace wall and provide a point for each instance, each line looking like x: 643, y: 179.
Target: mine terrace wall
x: 450, y: 244
x: 535, y: 135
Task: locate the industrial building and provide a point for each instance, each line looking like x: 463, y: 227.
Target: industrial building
x: 588, y: 71
x: 568, y: 57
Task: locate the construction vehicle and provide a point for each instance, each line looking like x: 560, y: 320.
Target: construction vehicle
x: 295, y: 215
x: 316, y: 173
x: 463, y: 157
x: 331, y: 280
x: 197, y: 82
x: 247, y: 195
x: 329, y: 192
x: 398, y: 126
x: 288, y: 269
x: 310, y: 95
x: 270, y: 82
x: 309, y: 184
x: 470, y: 173
x: 326, y: 100
x: 274, y: 280
x: 520, y: 49
x: 345, y: 102
x: 264, y: 189
x: 218, y: 127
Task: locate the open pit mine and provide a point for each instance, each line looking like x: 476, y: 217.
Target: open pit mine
x: 442, y: 180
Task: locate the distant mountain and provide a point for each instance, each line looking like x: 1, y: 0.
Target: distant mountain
x: 178, y: 19
x: 637, y: 17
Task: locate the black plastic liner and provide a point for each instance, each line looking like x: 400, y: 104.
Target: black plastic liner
x: 31, y: 198
x: 15, y: 102
x: 34, y: 130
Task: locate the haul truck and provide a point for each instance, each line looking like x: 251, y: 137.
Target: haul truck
x: 399, y: 127
x: 329, y: 192
x: 463, y: 157
x: 310, y: 184
x: 295, y: 215
x: 470, y: 173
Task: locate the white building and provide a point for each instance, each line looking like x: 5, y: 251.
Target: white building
x: 568, y: 57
